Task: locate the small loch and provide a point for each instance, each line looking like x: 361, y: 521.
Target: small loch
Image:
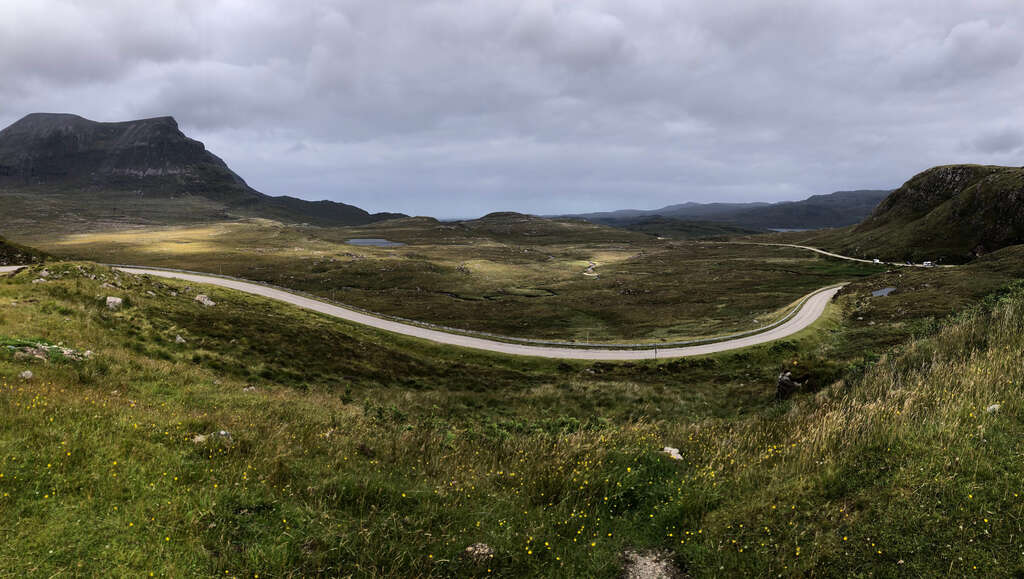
x: 883, y: 292
x: 374, y: 242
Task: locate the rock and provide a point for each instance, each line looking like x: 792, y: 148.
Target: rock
x: 221, y: 434
x: 39, y: 280
x: 150, y: 293
x: 673, y: 453
x: 179, y: 340
x: 114, y: 303
x: 649, y: 565
x: 249, y: 389
x: 993, y: 408
x: 201, y: 298
x: 479, y: 553
x: 44, y: 274
x: 786, y: 386
x: 26, y: 375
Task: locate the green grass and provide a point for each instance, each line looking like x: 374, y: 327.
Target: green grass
x: 394, y: 471
x: 101, y: 476
x: 364, y: 454
x: 513, y: 275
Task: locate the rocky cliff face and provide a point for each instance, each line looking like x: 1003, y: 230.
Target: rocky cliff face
x: 152, y: 157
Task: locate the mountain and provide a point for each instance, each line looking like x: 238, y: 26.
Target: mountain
x: 952, y: 213
x: 151, y: 158
x: 833, y: 210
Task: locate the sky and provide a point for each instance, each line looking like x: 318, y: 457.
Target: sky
x: 455, y: 108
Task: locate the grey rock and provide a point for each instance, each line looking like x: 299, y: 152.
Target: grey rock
x: 26, y: 375
x: 206, y: 301
x: 479, y: 552
x: 179, y: 340
x: 993, y: 408
x: 114, y: 303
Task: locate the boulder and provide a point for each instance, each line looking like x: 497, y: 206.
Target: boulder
x: 114, y: 303
x: 26, y: 375
x: 206, y: 301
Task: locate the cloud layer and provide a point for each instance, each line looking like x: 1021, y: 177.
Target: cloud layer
x: 459, y: 107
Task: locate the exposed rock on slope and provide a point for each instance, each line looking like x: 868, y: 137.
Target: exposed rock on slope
x: 149, y: 157
x: 951, y: 213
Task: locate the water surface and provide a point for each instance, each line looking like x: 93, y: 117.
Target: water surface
x: 374, y: 242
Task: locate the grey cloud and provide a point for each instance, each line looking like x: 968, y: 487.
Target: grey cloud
x: 1000, y: 141
x: 441, y: 106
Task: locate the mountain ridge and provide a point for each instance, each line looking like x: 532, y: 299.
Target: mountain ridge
x: 152, y: 157
x: 838, y: 209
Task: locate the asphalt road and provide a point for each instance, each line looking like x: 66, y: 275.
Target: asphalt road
x: 811, y: 310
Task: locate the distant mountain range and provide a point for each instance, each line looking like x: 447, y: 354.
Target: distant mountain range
x: 833, y: 210
x: 148, y: 158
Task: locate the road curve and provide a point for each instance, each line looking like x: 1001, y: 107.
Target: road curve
x: 838, y: 256
x: 811, y: 310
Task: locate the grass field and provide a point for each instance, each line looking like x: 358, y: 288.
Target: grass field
x: 506, y: 274
x: 358, y: 453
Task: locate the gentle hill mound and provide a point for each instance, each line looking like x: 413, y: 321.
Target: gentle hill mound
x: 149, y: 158
x: 950, y: 214
x: 522, y: 227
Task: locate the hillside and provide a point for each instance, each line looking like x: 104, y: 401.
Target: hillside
x: 269, y: 441
x: 103, y: 164
x: 818, y: 211
x: 949, y: 214
x: 11, y: 254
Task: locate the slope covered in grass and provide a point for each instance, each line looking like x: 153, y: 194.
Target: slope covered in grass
x: 12, y: 254
x: 951, y: 214
x: 333, y: 467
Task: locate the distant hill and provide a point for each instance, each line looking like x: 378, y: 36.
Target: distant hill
x: 833, y: 210
x: 148, y: 158
x: 523, y: 228
x: 952, y: 213
x: 685, y: 229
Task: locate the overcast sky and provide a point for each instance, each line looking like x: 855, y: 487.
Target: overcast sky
x: 461, y: 107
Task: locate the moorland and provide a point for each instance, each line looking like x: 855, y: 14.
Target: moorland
x: 237, y: 436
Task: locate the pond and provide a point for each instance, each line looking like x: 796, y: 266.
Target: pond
x: 883, y: 292
x: 374, y: 242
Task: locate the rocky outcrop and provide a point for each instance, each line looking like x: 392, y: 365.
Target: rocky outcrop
x: 948, y: 214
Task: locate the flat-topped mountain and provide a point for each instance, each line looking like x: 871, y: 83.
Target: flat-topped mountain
x: 64, y: 153
x: 951, y: 213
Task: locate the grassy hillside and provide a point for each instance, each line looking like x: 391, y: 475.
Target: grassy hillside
x: 12, y: 254
x: 358, y: 453
x: 950, y: 214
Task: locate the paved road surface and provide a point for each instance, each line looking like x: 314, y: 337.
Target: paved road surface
x: 811, y: 310
x: 837, y: 256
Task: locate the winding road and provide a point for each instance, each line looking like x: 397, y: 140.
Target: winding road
x: 812, y: 309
